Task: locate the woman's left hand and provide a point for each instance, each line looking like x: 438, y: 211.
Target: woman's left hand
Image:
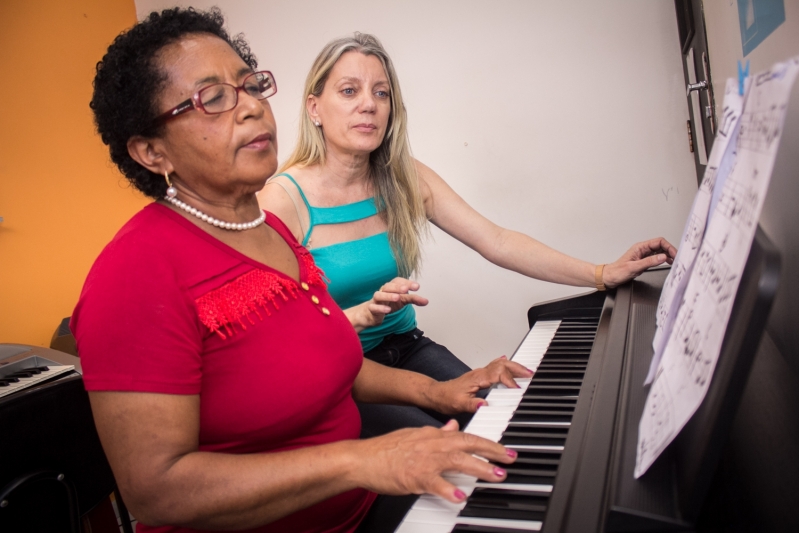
x: 639, y: 257
x: 391, y: 297
x: 459, y: 395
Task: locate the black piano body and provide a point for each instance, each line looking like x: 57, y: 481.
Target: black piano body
x: 53, y: 470
x: 693, y: 486
x: 707, y: 479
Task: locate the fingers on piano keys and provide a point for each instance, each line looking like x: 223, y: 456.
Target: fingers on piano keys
x: 534, y: 420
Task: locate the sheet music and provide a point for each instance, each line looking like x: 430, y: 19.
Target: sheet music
x: 692, y: 347
x: 715, y: 175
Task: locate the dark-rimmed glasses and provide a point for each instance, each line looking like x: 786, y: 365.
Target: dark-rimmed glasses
x: 221, y: 97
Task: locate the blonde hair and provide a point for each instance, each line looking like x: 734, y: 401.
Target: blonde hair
x: 392, y: 168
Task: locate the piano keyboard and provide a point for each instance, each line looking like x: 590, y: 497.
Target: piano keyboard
x: 21, y: 375
x: 534, y: 420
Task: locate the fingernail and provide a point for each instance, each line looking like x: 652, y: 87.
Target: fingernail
x: 512, y: 453
x: 482, y: 404
x: 530, y: 370
x: 503, y: 357
x: 499, y: 472
x: 459, y: 494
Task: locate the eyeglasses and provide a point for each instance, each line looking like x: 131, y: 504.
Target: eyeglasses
x: 221, y: 97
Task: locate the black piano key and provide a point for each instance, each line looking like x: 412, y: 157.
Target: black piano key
x: 559, y: 373
x: 470, y: 528
x: 578, y: 366
x: 506, y: 504
x: 556, y: 381
x: 542, y: 457
x: 554, y: 390
x: 4, y: 383
x: 20, y: 374
x: 530, y: 415
x: 554, y: 404
x: 530, y: 440
x: 531, y: 396
x: 11, y: 379
x: 532, y: 474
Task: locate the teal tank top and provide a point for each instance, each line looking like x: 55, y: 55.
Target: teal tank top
x: 357, y: 269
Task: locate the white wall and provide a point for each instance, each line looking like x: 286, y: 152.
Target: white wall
x: 564, y: 120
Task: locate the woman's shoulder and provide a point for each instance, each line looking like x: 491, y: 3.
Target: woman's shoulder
x: 427, y: 179
x: 283, y: 196
x: 156, y: 239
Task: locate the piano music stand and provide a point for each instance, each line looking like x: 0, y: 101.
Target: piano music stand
x: 671, y: 494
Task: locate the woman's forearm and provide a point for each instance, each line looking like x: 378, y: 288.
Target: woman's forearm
x: 206, y: 490
x: 151, y: 441
x: 378, y: 383
x: 523, y: 254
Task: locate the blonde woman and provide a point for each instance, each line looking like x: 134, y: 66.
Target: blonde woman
x: 352, y: 193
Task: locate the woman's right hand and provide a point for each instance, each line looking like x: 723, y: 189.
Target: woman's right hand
x: 412, y: 461
x: 391, y: 297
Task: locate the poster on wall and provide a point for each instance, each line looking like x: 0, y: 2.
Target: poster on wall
x: 759, y: 19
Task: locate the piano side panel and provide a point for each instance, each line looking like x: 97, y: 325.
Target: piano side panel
x: 586, y: 503
x: 756, y: 487
x: 576, y: 500
x: 559, y: 502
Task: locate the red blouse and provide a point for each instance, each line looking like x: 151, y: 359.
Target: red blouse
x: 167, y: 308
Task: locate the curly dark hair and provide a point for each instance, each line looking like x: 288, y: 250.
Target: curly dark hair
x: 128, y: 81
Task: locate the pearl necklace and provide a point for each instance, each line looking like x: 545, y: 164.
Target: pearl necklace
x: 211, y: 220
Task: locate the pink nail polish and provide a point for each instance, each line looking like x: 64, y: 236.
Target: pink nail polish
x: 512, y: 453
x: 531, y: 370
x: 503, y: 357
x: 499, y: 472
x: 460, y: 494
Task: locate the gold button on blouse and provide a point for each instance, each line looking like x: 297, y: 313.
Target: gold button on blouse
x: 304, y: 286
x: 314, y: 299
x: 325, y: 311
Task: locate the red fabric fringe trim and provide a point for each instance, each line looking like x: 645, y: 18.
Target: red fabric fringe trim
x: 232, y: 302
x: 315, y: 274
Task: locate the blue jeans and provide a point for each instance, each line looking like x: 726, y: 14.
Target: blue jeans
x: 415, y: 352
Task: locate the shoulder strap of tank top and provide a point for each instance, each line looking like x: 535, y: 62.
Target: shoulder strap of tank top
x: 305, y: 234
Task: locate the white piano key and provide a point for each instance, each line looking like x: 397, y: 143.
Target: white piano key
x: 533, y: 424
x: 523, y: 525
x: 514, y: 486
x: 534, y: 447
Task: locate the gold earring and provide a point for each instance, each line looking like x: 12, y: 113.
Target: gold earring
x: 171, y: 192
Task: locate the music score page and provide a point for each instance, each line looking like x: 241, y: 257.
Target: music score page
x: 698, y: 294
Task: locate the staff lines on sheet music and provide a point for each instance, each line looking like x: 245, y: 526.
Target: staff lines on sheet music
x: 738, y: 203
x: 659, y: 409
x: 690, y: 336
x: 709, y: 180
x: 717, y: 279
x: 759, y: 129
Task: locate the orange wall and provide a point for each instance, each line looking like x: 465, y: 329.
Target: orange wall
x: 61, y: 198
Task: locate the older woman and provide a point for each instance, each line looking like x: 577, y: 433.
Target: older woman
x: 352, y: 193
x: 221, y: 373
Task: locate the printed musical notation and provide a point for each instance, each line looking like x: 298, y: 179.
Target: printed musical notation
x: 761, y: 129
x: 658, y: 418
x: 699, y: 293
x: 715, y: 175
